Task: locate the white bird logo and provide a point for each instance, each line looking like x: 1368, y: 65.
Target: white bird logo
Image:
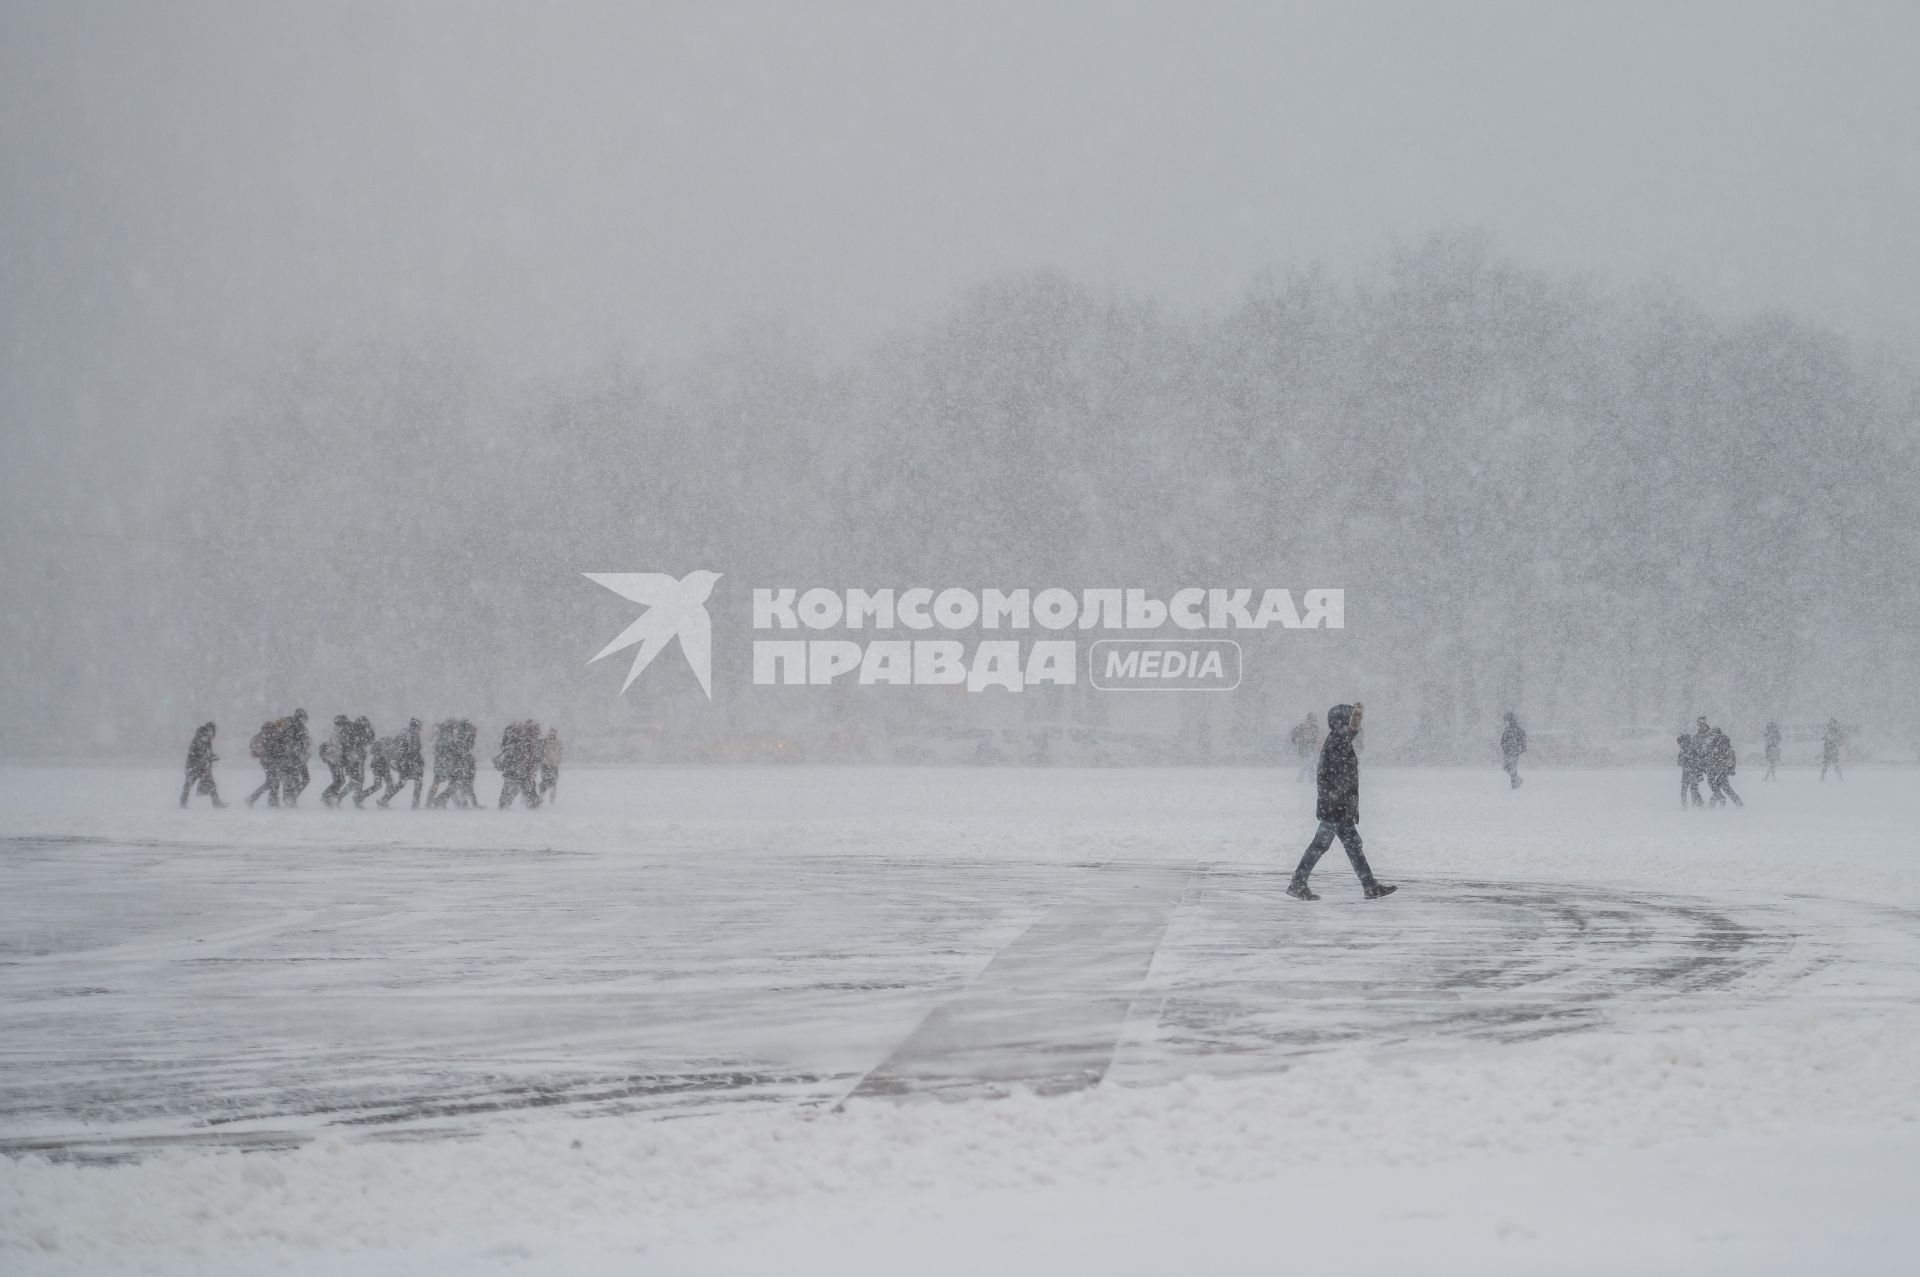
x: 675, y: 610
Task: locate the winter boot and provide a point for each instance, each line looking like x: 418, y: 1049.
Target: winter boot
x: 1301, y: 891
x: 1375, y: 890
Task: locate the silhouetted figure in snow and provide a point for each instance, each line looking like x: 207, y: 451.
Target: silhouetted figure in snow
x: 1513, y: 743
x: 1690, y: 769
x: 440, y: 790
x: 296, y: 749
x: 269, y: 747
x: 454, y: 767
x: 200, y: 761
x: 402, y: 755
x: 380, y: 766
x: 518, y: 763
x: 1338, y: 807
x: 467, y: 768
x: 1773, y: 749
x: 551, y: 753
x: 1830, y: 744
x: 1721, y: 761
x: 337, y: 782
x: 359, y: 751
x: 334, y: 755
x: 1305, y: 738
x: 1703, y: 746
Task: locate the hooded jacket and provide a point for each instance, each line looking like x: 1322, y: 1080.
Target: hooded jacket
x: 1339, y: 796
x: 200, y: 752
x: 1513, y: 741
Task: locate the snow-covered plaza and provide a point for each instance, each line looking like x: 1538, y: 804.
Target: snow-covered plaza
x: 953, y: 1019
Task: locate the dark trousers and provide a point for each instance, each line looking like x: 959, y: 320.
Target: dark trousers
x: 1690, y: 788
x: 296, y: 782
x: 398, y: 783
x: 202, y: 776
x: 1513, y: 771
x: 359, y: 786
x: 1722, y: 788
x: 455, y: 789
x: 270, y: 787
x: 463, y: 794
x: 517, y: 783
x: 1349, y: 836
x: 550, y: 782
x: 335, y: 790
x: 1773, y: 761
x: 382, y: 775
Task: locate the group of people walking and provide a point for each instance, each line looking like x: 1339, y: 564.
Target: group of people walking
x: 364, y: 764
x: 1708, y: 753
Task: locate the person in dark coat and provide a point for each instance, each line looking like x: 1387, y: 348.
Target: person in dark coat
x: 402, y: 755
x: 358, y: 753
x: 334, y: 755
x: 517, y: 763
x: 1513, y: 743
x: 296, y: 749
x: 269, y: 746
x: 466, y: 766
x: 440, y: 789
x: 1773, y: 749
x: 1720, y: 764
x: 453, y: 758
x: 1338, y: 807
x: 1689, y: 760
x: 1830, y: 750
x: 380, y: 766
x: 1305, y: 738
x: 1703, y: 746
x: 200, y: 761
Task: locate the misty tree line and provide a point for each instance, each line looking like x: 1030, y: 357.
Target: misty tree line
x: 1599, y: 507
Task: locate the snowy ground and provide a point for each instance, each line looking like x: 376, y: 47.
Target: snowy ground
x: 928, y: 1020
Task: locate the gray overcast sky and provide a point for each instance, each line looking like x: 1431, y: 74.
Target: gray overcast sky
x: 189, y: 188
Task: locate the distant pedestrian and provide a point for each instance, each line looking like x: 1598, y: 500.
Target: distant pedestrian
x: 380, y: 767
x: 443, y: 737
x: 1690, y: 770
x: 200, y: 761
x: 518, y: 763
x: 466, y: 764
x: 268, y: 746
x: 334, y: 755
x: 358, y: 753
x: 1305, y: 738
x: 296, y: 751
x: 330, y: 755
x: 1773, y: 749
x: 1721, y: 762
x: 1338, y: 807
x: 1830, y: 743
x: 1513, y: 743
x: 453, y: 765
x: 404, y: 758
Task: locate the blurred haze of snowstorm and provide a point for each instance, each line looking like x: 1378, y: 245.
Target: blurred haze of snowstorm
x: 342, y: 339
